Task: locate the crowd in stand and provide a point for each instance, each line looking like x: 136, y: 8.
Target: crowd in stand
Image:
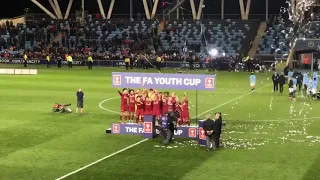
x: 40, y: 38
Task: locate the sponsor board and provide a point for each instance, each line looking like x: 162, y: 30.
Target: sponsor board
x: 108, y: 63
x: 169, y: 81
x: 182, y: 132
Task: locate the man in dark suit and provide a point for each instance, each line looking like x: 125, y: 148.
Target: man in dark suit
x: 282, y: 81
x: 208, y: 127
x: 300, y: 80
x: 275, y: 80
x: 217, y: 129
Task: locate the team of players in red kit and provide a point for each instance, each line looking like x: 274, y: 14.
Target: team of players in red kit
x: 135, y: 104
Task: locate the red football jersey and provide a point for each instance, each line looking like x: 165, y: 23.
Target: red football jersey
x: 156, y: 105
x: 178, y: 107
x: 132, y: 100
x: 148, y: 108
x: 124, y: 98
x: 140, y: 105
x: 170, y: 104
x: 165, y: 106
x: 185, y: 105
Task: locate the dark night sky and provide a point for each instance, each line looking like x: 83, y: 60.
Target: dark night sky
x: 13, y: 8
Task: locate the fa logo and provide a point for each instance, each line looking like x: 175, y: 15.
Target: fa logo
x: 147, y: 127
x: 202, y: 134
x: 192, y: 132
x: 117, y: 80
x: 209, y: 83
x: 115, y: 128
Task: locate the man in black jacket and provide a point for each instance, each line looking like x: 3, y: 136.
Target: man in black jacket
x: 172, y: 125
x: 217, y: 129
x: 208, y: 127
x: 300, y: 80
x: 275, y: 80
x: 282, y: 81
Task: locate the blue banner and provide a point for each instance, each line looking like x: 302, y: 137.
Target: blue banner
x: 108, y: 63
x: 163, y: 81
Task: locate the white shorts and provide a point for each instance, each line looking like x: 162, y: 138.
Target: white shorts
x: 252, y: 84
x: 291, y: 90
x: 314, y: 91
x: 294, y: 87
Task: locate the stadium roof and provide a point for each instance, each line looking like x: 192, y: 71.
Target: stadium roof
x: 174, y: 5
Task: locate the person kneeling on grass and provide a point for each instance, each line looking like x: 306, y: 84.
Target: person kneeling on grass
x: 80, y: 97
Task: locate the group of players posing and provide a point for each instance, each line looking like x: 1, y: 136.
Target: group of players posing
x: 135, y: 104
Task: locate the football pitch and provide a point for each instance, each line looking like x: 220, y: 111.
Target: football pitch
x: 267, y: 136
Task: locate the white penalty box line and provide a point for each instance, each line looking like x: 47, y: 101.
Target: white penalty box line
x: 144, y: 140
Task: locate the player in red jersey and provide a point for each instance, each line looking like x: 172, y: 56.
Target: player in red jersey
x: 178, y: 106
x: 124, y: 104
x: 174, y: 100
x: 160, y: 102
x: 148, y: 106
x: 165, y: 107
x: 132, y: 105
x: 171, y: 104
x: 185, y: 110
x: 156, y: 108
x: 139, y: 110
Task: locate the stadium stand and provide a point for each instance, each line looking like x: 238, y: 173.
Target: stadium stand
x: 229, y: 37
x: 275, y: 42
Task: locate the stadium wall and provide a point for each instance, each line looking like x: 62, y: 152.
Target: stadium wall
x: 105, y: 63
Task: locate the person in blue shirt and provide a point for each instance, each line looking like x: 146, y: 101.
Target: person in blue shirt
x: 252, y: 81
x: 314, y: 89
x: 315, y: 76
x: 305, y: 81
x: 290, y: 74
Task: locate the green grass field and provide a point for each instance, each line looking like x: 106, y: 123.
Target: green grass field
x: 267, y: 136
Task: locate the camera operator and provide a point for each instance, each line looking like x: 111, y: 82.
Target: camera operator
x: 217, y: 128
x: 171, y: 126
x: 208, y: 127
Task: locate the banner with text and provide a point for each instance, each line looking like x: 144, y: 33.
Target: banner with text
x: 181, y: 132
x: 163, y: 81
x: 108, y: 63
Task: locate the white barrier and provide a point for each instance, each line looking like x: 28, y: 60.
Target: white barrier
x: 19, y: 71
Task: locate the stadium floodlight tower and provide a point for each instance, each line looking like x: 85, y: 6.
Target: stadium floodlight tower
x: 176, y: 5
x: 58, y: 14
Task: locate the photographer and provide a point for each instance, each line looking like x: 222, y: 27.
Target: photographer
x: 171, y: 126
x: 208, y: 127
x: 217, y: 128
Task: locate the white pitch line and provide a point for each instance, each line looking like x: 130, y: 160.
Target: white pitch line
x: 106, y: 157
x: 100, y: 105
x: 270, y: 105
x: 133, y: 145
